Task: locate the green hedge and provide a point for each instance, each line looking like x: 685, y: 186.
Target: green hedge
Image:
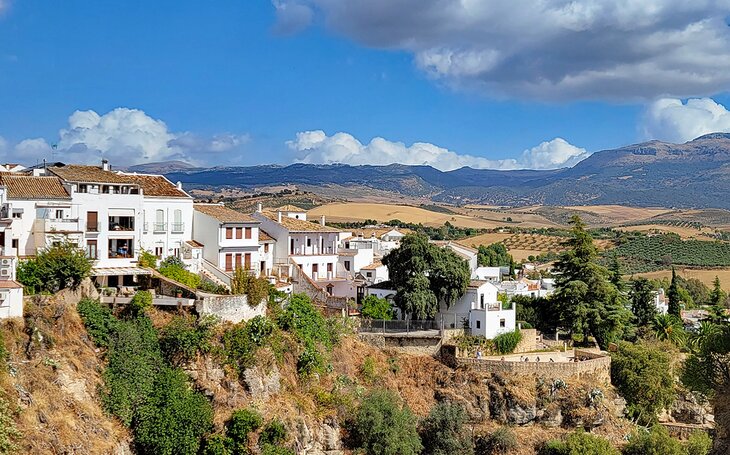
x: 506, y: 343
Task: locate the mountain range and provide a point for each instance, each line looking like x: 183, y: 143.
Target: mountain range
x: 654, y: 173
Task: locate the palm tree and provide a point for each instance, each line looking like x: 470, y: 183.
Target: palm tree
x: 706, y: 332
x: 669, y: 327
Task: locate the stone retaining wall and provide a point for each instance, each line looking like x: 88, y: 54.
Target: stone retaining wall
x: 598, y: 366
x: 233, y: 308
x: 414, y: 345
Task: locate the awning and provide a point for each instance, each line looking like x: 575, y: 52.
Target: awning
x: 121, y: 212
x: 116, y: 271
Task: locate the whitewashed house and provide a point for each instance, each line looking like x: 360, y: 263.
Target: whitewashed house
x: 11, y: 292
x: 470, y: 255
x: 230, y: 240
x: 661, y: 303
x: 374, y: 273
x: 491, y: 274
x: 267, y: 244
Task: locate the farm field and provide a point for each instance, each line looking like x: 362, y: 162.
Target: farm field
x: 502, y: 216
x: 484, y: 239
x: 684, y: 232
x: 620, y: 213
x: 706, y: 276
x: 359, y: 211
x: 521, y: 246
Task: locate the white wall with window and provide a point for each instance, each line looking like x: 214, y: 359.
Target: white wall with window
x: 166, y: 224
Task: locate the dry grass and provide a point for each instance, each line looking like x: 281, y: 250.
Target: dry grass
x: 706, y: 276
x: 55, y: 384
x: 684, y: 232
x: 621, y: 213
x: 356, y: 211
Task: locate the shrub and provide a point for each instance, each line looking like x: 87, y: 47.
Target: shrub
x: 245, y: 282
x: 57, y: 267
x: 310, y: 361
x: 579, y: 443
x: 442, y: 431
x: 186, y: 336
x: 304, y: 320
x: 173, y: 418
x: 141, y: 302
x: 241, y: 424
x: 270, y: 449
x: 173, y: 268
x: 654, y: 442
x: 218, y: 444
x: 699, y: 443
x: 367, y: 369
x: 134, y: 358
x: 147, y: 259
x: 9, y: 433
x: 374, y: 307
x: 383, y: 426
x: 241, y: 341
x: 213, y: 288
x: 98, y: 319
x: 643, y: 376
x: 274, y: 433
x: 500, y: 441
x: 506, y: 343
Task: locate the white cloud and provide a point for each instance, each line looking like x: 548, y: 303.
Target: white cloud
x: 291, y: 16
x: 669, y: 119
x: 317, y: 147
x: 554, y: 50
x: 124, y: 137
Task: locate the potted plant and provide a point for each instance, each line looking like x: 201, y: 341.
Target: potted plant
x: 178, y: 293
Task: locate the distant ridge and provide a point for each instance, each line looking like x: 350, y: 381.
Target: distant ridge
x: 162, y: 167
x: 649, y: 174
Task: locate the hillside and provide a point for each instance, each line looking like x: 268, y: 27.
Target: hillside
x: 651, y: 174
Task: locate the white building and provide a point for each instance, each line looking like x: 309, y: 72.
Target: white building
x: 480, y: 310
x: 230, y: 239
x: 470, y: 255
x: 374, y: 273
x: 661, y: 302
x: 491, y: 274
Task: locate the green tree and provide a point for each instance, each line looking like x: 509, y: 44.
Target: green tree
x: 141, y: 302
x: 443, y: 431
x: 643, y: 376
x: 374, y: 307
x: 656, y: 441
x: 587, y: 302
x: 173, y: 418
x: 668, y: 327
x: 424, y: 274
x: 385, y: 426
x: 185, y: 336
x: 59, y: 266
x: 673, y: 295
x: 642, y: 301
x: 245, y: 282
x: 494, y: 255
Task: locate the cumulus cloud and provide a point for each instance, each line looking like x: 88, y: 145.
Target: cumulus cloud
x: 124, y: 136
x: 291, y: 16
x: 317, y: 147
x: 554, y: 50
x: 670, y: 119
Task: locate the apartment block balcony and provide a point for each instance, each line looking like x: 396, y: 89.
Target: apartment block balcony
x: 121, y: 223
x: 159, y: 227
x: 178, y: 228
x: 57, y: 225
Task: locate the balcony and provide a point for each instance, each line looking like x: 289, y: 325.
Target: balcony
x: 178, y: 228
x: 57, y: 225
x: 121, y: 249
x: 159, y: 227
x: 121, y: 223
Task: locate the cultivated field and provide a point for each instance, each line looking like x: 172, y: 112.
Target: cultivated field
x: 706, y: 276
x: 621, y: 213
x: 684, y: 232
x: 359, y: 211
x: 484, y: 239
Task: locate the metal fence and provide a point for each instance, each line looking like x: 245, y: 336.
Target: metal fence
x: 407, y: 326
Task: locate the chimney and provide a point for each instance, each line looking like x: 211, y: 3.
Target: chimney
x: 321, y: 220
x: 279, y: 215
x: 179, y: 185
x: 259, y: 207
x: 105, y: 164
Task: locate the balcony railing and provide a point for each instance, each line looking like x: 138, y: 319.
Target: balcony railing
x: 159, y: 227
x: 178, y: 227
x: 92, y: 227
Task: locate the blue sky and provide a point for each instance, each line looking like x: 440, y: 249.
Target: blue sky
x: 234, y: 81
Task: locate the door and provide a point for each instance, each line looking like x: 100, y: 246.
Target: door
x: 238, y: 260
x: 92, y: 221
x: 315, y: 271
x: 229, y: 262
x: 247, y: 261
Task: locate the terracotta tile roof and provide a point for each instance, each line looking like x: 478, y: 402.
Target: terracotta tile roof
x: 372, y: 266
x: 194, y: 243
x: 29, y: 187
x: 477, y: 283
x: 289, y: 208
x: 156, y: 185
x: 264, y: 236
x: 88, y: 174
x: 294, y: 225
x: 10, y: 284
x: 224, y: 214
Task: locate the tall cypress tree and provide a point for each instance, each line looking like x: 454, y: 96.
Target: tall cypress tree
x: 673, y: 296
x: 642, y: 302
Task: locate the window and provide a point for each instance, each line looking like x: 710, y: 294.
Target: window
x: 329, y: 267
x: 17, y: 213
x: 266, y: 247
x: 481, y: 301
x: 229, y: 262
x: 14, y: 243
x: 347, y: 265
x: 158, y: 251
x: 239, y: 233
x: 479, y: 324
x: 502, y: 323
x: 315, y: 268
x: 177, y: 223
x: 248, y: 232
x: 229, y: 233
x: 247, y: 261
x: 309, y: 242
x: 159, y: 220
x: 330, y: 289
x: 59, y: 214
x: 238, y: 260
x: 91, y: 249
x: 369, y: 274
x: 92, y: 221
